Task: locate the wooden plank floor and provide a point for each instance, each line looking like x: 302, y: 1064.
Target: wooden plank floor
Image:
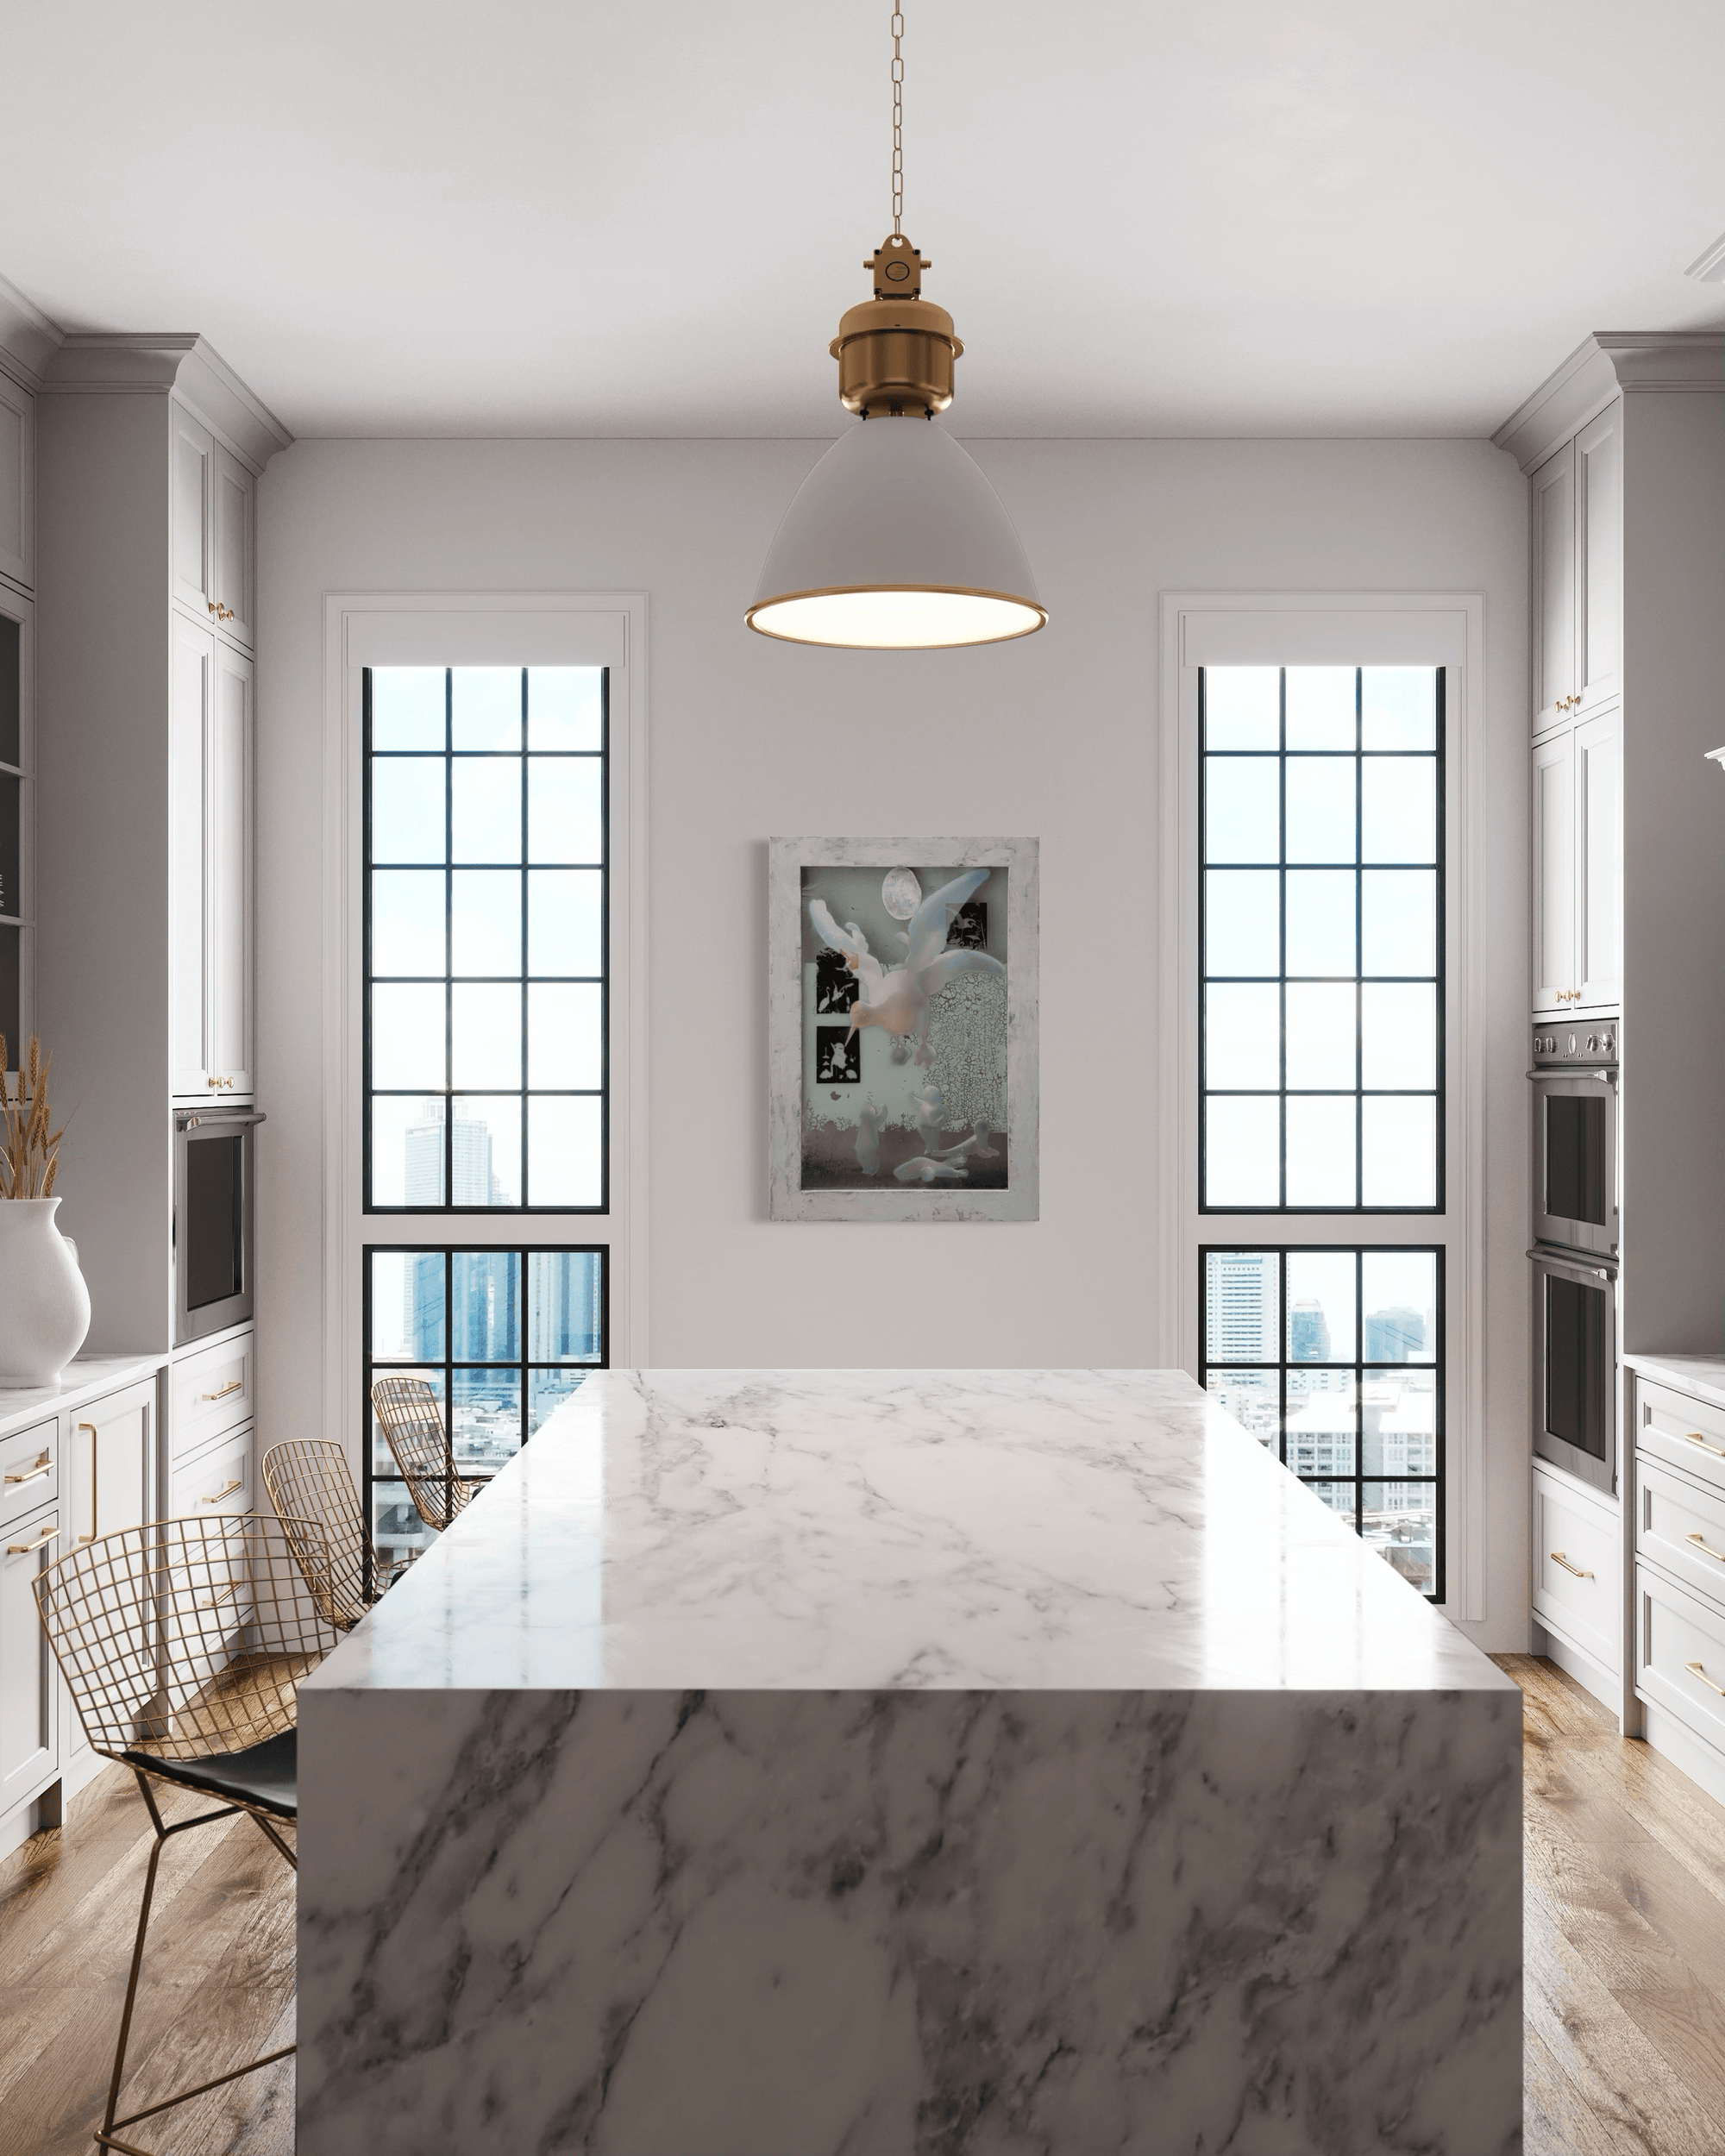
x: 217, y: 1984
x: 1625, y: 1959
x: 1625, y: 1904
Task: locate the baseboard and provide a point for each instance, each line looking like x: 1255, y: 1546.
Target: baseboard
x: 1672, y: 1740
x: 1592, y: 1674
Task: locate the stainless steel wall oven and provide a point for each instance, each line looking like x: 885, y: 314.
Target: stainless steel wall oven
x: 1575, y: 1365
x: 213, y: 1185
x: 1575, y: 1136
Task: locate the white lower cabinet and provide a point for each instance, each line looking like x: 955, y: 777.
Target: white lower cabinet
x: 1678, y: 1604
x: 29, y: 1689
x: 110, y: 1464
x: 87, y: 1470
x: 214, y: 1481
x: 1680, y: 1654
x: 1577, y: 1568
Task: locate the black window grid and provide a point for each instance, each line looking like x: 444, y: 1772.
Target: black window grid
x: 1359, y: 1093
x: 1359, y: 1368
x: 523, y: 1366
x: 521, y: 1094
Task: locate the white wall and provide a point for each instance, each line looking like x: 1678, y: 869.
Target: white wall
x: 1055, y: 737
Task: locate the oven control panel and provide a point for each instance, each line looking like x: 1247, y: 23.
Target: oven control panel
x: 1587, y: 1044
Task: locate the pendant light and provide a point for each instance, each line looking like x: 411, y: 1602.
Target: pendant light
x: 895, y: 541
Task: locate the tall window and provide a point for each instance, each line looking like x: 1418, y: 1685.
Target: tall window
x: 503, y: 1336
x: 1334, y: 1359
x: 1322, y: 1079
x: 1321, y: 939
x: 485, y: 907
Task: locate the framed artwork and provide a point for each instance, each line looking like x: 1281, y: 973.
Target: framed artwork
x: 902, y: 1020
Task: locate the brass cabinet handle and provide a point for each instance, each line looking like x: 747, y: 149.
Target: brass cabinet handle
x: 215, y: 609
x: 1718, y: 1555
x: 1696, y: 1670
x: 218, y: 1082
x: 224, y: 613
x: 234, y: 1385
x: 44, y: 1466
x: 94, y: 1449
x: 226, y: 1490
x: 23, y: 1549
x: 1558, y: 1557
x: 1696, y: 1437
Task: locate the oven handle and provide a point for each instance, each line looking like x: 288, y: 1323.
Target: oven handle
x: 1572, y: 1265
x: 1608, y: 1077
x: 184, y: 1119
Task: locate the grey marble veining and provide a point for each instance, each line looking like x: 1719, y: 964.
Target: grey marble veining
x: 965, y: 1762
x: 862, y: 1529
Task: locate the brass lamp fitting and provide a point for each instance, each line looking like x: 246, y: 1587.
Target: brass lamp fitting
x: 895, y: 351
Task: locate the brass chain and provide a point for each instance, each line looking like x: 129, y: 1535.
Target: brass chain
x: 898, y: 29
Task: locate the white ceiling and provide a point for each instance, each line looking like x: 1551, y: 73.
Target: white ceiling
x: 1257, y: 217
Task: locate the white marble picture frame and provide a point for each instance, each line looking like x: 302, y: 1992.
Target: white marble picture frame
x: 786, y: 1199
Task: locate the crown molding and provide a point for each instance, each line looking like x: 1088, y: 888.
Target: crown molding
x: 28, y: 338
x: 1610, y: 363
x: 181, y: 362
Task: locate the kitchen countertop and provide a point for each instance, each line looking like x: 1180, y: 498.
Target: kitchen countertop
x: 1704, y: 1376
x: 801, y: 1761
x: 883, y: 1530
x: 87, y: 1378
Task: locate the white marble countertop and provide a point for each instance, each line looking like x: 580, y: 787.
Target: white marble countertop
x: 1702, y: 1376
x: 883, y: 1530
x: 85, y: 1378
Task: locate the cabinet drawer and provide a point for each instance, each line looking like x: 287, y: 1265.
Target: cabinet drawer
x: 211, y: 1392
x: 1680, y: 1654
x: 1680, y: 1433
x: 29, y: 1695
x: 1680, y: 1527
x: 1578, y: 1571
x: 217, y: 1480
x: 30, y: 1465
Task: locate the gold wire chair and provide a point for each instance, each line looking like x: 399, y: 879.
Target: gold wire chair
x: 308, y: 1479
x: 182, y: 1643
x: 412, y: 1422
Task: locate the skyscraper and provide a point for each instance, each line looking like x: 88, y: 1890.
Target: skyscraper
x: 1309, y: 1332
x: 1394, y: 1335
x: 1237, y: 1327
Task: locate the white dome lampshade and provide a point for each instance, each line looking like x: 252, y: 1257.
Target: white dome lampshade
x: 896, y: 541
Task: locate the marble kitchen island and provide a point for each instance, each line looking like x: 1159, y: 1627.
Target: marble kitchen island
x: 775, y: 1762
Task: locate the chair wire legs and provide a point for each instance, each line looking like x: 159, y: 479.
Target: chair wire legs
x: 109, y: 2134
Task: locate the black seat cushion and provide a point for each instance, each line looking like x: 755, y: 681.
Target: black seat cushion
x: 264, y: 1775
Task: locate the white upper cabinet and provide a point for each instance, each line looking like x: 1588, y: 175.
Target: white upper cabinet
x: 214, y: 528
x: 210, y: 784
x: 1599, y: 557
x: 191, y: 683
x: 1578, y: 865
x: 1554, y: 588
x: 228, y: 874
x: 192, y: 451
x: 17, y: 487
x: 1599, y: 859
x: 1578, y: 573
x: 233, y: 569
x: 1554, y: 966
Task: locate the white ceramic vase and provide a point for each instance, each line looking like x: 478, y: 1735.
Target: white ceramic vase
x: 43, y: 1304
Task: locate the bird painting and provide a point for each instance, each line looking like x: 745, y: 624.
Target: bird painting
x: 899, y: 1001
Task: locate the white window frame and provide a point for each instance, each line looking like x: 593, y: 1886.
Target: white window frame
x: 1336, y: 628
x: 364, y: 630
